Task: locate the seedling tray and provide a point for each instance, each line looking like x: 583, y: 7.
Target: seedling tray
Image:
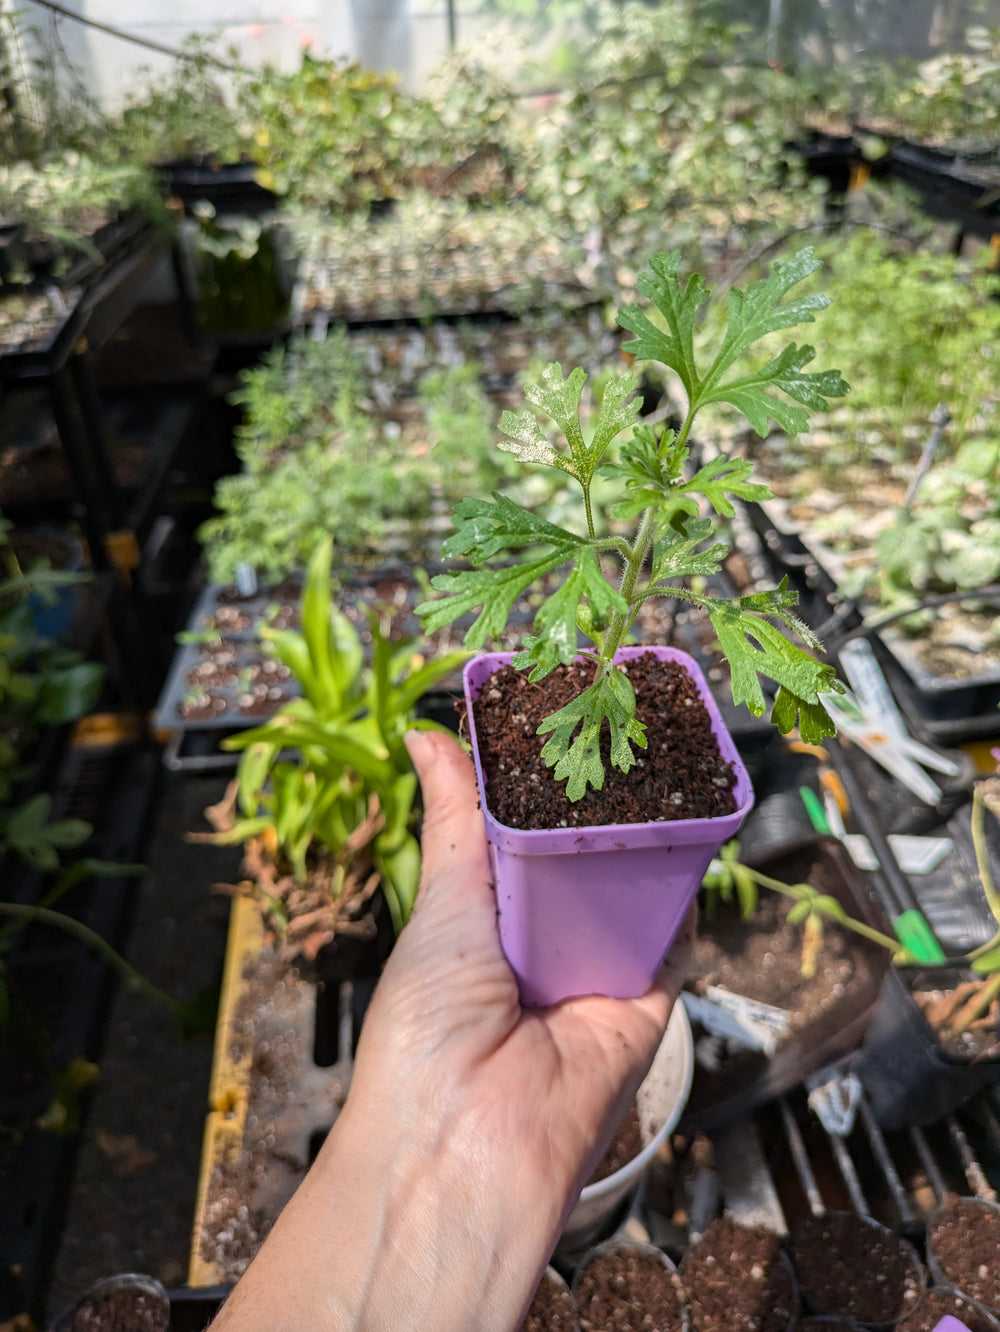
x: 230, y: 187
x: 942, y: 710
x: 906, y: 1074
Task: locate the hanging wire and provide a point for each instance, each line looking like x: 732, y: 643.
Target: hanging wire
x: 54, y: 7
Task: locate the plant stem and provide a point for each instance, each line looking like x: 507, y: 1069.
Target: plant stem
x: 620, y: 621
x: 977, y: 1005
x: 95, y: 941
x: 982, y: 859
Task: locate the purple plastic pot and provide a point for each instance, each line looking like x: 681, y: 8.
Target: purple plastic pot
x: 594, y: 910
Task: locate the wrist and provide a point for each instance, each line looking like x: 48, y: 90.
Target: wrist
x: 441, y: 1242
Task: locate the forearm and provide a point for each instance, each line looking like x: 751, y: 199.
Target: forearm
x: 390, y: 1231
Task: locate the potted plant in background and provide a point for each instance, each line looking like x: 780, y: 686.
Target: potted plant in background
x: 325, y: 789
x: 557, y: 857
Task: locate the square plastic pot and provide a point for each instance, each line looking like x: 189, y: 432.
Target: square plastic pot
x: 593, y: 910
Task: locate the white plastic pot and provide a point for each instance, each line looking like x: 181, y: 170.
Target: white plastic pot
x: 661, y: 1099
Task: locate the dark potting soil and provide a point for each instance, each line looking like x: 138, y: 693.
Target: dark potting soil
x: 936, y: 1304
x: 203, y: 709
x: 264, y: 702
x: 849, y: 1266
x: 629, y: 1290
x: 120, y: 1311
x: 965, y: 1239
x: 737, y: 1280
x: 552, y: 1309
x: 821, y: 1324
x: 212, y: 676
x: 680, y: 775
x: 625, y: 1146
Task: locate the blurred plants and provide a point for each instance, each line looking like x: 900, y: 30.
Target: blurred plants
x: 43, y: 683
x: 239, y: 283
x: 200, y: 110
x: 65, y: 200
x: 324, y: 793
x: 318, y: 456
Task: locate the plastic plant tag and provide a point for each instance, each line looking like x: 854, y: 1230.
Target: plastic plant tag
x: 246, y: 580
x: 834, y: 1101
x: 916, y: 855
x: 743, y: 1022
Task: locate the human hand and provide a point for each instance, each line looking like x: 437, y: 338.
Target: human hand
x: 471, y: 1124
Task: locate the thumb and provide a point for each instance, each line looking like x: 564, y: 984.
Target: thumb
x: 452, y: 839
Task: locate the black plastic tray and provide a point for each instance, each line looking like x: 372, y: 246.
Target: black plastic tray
x: 230, y: 187
x: 907, y: 1076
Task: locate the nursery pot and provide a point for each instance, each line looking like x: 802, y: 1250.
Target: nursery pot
x: 638, y: 1275
x: 131, y: 1300
x: 660, y: 1102
x: 963, y: 1249
x: 593, y: 910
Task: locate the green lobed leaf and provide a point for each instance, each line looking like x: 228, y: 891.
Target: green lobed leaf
x: 722, y: 477
x: 676, y: 554
x: 753, y: 646
x: 578, y: 761
x: 749, y: 392
x: 555, y: 641
x: 495, y: 590
x: 812, y: 720
x: 679, y: 307
x: 487, y: 528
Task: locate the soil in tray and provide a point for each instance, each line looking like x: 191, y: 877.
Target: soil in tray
x: 120, y: 1311
x: 761, y: 959
x: 936, y: 1304
x: 849, y: 1266
x: 680, y: 775
x: 629, y: 1290
x: 624, y: 1147
x: 965, y: 1238
x: 552, y: 1309
x: 205, y: 707
x: 737, y: 1280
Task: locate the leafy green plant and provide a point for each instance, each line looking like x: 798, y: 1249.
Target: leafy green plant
x: 239, y: 283
x: 64, y: 200
x: 319, y: 457
x: 41, y: 682
x: 948, y: 538
x: 327, y: 784
x: 664, y: 537
x: 911, y: 328
x: 670, y: 133
x: 198, y: 110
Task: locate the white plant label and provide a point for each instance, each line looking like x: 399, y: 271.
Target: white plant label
x: 742, y: 1022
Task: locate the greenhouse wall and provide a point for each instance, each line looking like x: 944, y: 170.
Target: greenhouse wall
x: 410, y: 36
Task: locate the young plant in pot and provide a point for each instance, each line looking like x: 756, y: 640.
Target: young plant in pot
x: 595, y: 876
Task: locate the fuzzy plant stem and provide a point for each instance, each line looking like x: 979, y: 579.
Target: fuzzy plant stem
x: 99, y: 945
x: 621, y: 620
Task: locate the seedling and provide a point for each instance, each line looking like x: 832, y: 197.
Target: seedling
x: 728, y: 877
x: 657, y: 528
